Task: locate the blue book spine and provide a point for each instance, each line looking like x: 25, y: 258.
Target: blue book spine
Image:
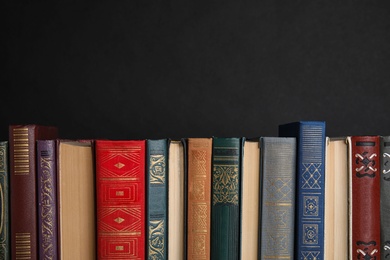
x: 310, y: 187
x: 157, y: 190
x: 385, y: 197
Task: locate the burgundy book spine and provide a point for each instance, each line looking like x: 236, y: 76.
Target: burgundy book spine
x: 23, y: 183
x: 47, y: 199
x: 365, y: 178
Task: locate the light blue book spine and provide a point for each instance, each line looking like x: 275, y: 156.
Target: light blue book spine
x: 157, y: 199
x: 278, y: 161
x: 310, y: 187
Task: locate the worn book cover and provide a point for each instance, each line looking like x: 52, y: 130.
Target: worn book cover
x: 120, y: 189
x: 226, y: 199
x: 157, y: 199
x: 310, y: 188
x: 278, y: 176
x: 4, y: 202
x: 23, y: 187
x: 47, y: 199
x: 199, y: 198
x: 364, y: 197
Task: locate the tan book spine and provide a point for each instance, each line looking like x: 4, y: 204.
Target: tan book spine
x: 176, y: 201
x: 250, y: 201
x: 336, y: 199
x: 76, y: 200
x: 199, y: 198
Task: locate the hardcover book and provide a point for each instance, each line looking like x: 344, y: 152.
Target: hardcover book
x: 225, y: 212
x: 385, y: 197
x: 47, y: 199
x: 336, y: 199
x: 23, y: 187
x: 199, y: 198
x: 76, y: 200
x: 176, y: 201
x: 310, y: 170
x: 364, y: 197
x: 4, y: 202
x: 120, y: 181
x: 157, y: 190
x: 278, y: 159
x: 250, y: 200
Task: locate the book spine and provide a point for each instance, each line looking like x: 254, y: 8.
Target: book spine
x: 23, y: 201
x: 225, y: 212
x: 278, y: 160
x: 365, y: 196
x: 47, y: 199
x: 385, y: 197
x: 4, y: 202
x: 157, y: 189
x: 310, y: 165
x: 199, y: 198
x: 120, y: 180
x: 176, y: 201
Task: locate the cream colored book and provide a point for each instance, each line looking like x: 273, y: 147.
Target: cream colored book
x: 176, y: 201
x: 76, y: 196
x: 250, y: 201
x: 336, y: 199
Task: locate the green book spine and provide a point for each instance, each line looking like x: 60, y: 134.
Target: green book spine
x: 157, y: 199
x: 225, y: 211
x: 4, y: 203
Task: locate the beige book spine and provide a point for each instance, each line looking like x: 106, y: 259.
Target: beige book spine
x: 250, y: 201
x: 176, y: 201
x: 336, y: 199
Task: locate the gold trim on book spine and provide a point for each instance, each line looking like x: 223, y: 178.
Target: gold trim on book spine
x: 21, y: 148
x: 23, y: 246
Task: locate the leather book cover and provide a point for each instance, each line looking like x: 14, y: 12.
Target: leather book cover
x: 47, y: 199
x: 120, y: 182
x: 76, y: 200
x: 278, y: 168
x: 225, y: 211
x: 310, y: 188
x: 157, y: 199
x: 385, y: 197
x: 4, y: 202
x: 199, y: 152
x: 23, y: 191
x: 364, y: 167
x: 176, y: 201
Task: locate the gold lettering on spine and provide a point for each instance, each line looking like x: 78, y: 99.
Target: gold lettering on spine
x: 47, y: 205
x: 23, y: 246
x: 21, y: 148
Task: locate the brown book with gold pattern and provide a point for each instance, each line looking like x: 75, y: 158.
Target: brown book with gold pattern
x: 199, y: 198
x: 23, y: 188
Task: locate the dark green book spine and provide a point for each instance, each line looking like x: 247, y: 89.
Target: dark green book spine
x: 4, y: 203
x: 157, y: 199
x: 225, y: 211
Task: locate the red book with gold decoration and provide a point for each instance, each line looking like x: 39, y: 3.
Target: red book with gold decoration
x: 120, y: 181
x: 364, y: 161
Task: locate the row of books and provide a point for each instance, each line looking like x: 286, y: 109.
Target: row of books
x: 300, y: 195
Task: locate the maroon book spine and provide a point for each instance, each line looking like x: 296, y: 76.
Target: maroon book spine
x: 365, y: 191
x: 23, y: 183
x: 47, y: 199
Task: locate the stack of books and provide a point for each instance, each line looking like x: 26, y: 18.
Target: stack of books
x: 297, y: 195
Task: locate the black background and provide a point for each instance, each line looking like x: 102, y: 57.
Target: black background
x: 154, y: 69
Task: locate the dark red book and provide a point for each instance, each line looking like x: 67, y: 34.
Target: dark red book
x: 364, y: 197
x: 23, y: 184
x: 120, y: 182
